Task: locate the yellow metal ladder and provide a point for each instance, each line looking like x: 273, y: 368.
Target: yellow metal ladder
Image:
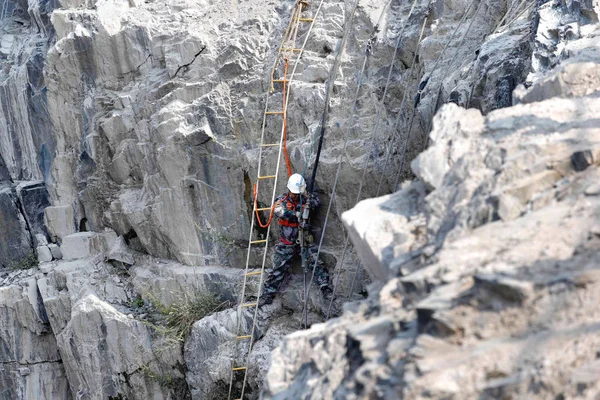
x: 288, y: 51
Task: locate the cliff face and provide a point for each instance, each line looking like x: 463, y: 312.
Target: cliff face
x: 128, y: 149
x: 485, y: 266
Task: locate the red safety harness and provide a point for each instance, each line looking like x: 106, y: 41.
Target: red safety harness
x: 290, y: 205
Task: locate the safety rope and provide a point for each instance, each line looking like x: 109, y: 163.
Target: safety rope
x: 337, y: 271
x: 441, y: 84
x: 333, y: 73
x: 398, y: 118
x: 284, y: 105
x: 421, y: 88
x: 358, y: 267
x: 298, y: 52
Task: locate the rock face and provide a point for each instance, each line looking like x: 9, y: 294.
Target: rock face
x: 486, y: 285
x: 151, y: 117
x: 129, y: 135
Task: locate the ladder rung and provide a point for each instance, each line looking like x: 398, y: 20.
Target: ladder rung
x: 254, y: 273
x: 280, y: 80
x: 249, y: 305
x: 305, y: 19
x: 258, y: 241
x: 239, y: 368
x: 270, y: 145
x: 294, y: 50
x: 244, y: 337
x: 264, y: 209
x: 274, y: 112
x: 267, y: 177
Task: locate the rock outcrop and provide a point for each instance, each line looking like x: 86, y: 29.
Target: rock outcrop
x: 128, y: 152
x: 485, y: 267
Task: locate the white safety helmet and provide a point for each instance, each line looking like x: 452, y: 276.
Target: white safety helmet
x: 296, y: 184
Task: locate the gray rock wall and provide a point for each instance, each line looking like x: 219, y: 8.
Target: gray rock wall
x: 142, y: 120
x: 155, y: 114
x: 484, y: 267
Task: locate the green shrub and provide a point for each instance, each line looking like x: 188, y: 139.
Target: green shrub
x: 181, y: 315
x: 27, y: 262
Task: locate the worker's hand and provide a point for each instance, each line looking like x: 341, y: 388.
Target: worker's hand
x: 298, y: 215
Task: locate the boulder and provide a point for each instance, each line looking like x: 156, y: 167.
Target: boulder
x: 44, y: 254
x: 55, y: 250
x: 86, y: 244
x: 116, y: 367
x: 385, y: 228
x: 60, y: 221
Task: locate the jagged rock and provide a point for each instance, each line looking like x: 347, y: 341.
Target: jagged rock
x: 378, y: 247
x: 34, y: 198
x: 15, y: 239
x: 571, y: 79
x: 28, y: 344
x: 118, y: 367
x: 503, y: 299
x: 120, y: 252
x: 209, y: 351
x: 60, y: 221
x: 143, y: 118
x: 86, y: 244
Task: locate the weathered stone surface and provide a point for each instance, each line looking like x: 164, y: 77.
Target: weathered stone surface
x: 86, y: 244
x: 55, y: 250
x: 372, y: 225
x: 571, y: 79
x: 60, y: 221
x: 44, y: 254
x: 502, y: 299
x: 28, y: 342
x: 170, y: 281
x: 34, y: 198
x: 15, y: 240
x: 209, y: 351
x: 120, y: 252
x: 118, y: 366
x: 144, y: 118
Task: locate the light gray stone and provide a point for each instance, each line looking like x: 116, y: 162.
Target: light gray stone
x: 41, y: 239
x: 86, y: 244
x: 44, y: 254
x: 60, y: 221
x: 120, y: 252
x: 55, y: 250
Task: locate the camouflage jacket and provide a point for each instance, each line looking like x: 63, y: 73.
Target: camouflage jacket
x: 286, y: 210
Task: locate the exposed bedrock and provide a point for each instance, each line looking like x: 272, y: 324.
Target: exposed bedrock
x: 129, y: 141
x: 485, y: 266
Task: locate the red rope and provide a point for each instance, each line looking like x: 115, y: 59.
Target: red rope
x: 285, y: 152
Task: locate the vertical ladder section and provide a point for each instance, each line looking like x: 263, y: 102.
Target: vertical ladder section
x: 280, y: 80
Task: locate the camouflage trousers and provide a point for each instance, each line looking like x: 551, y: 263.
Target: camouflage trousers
x: 282, y: 261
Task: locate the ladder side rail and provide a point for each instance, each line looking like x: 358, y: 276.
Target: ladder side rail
x: 296, y: 62
x: 249, y: 251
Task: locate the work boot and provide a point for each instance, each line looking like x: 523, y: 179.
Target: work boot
x: 264, y: 300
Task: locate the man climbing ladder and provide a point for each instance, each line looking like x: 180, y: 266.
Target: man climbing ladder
x: 292, y: 211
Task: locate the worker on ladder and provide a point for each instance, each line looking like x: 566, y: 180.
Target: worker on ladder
x: 290, y: 209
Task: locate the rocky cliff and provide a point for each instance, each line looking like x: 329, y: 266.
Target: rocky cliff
x: 128, y: 147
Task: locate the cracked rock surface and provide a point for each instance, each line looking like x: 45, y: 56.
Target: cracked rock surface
x: 129, y: 134
x: 485, y: 266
